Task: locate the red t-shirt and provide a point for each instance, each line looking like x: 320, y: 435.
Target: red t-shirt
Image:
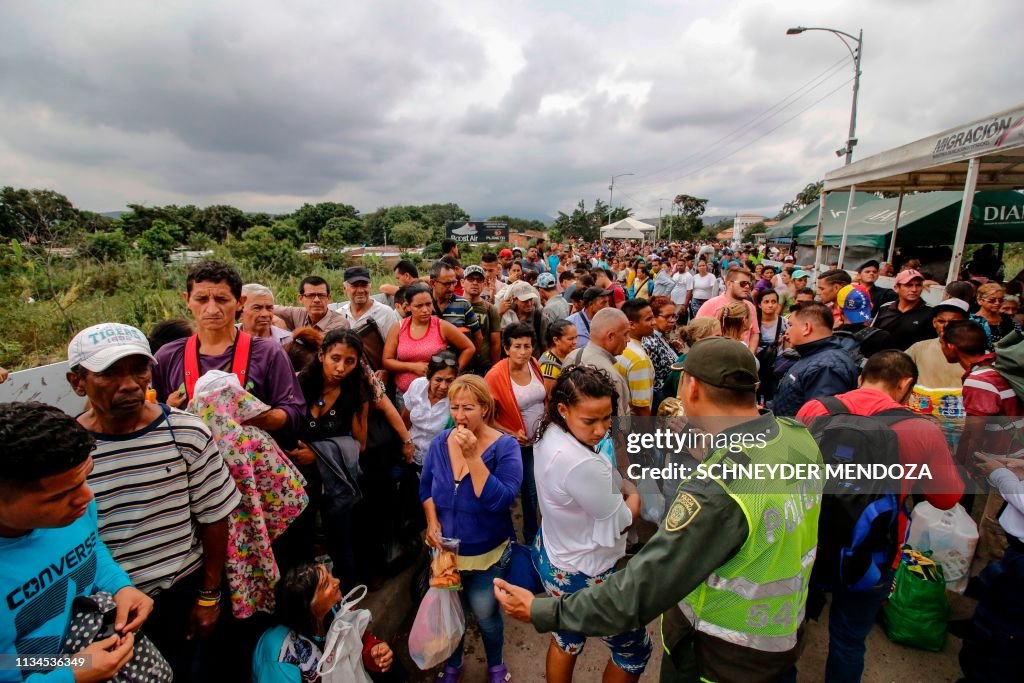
x: 618, y: 295
x: 920, y: 442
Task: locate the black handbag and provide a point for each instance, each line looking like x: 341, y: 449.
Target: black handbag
x: 92, y: 619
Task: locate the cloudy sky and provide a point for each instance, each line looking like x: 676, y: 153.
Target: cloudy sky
x: 520, y: 107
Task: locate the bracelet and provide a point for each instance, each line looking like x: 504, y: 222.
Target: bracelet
x: 209, y: 592
x: 408, y: 442
x: 207, y: 602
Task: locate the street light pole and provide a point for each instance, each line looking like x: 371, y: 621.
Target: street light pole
x: 611, y: 194
x: 855, y: 52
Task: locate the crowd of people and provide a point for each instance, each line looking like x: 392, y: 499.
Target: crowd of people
x: 234, y: 475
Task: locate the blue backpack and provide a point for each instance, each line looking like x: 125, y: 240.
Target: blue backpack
x: 859, y: 525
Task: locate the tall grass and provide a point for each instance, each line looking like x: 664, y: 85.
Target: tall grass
x: 41, y: 306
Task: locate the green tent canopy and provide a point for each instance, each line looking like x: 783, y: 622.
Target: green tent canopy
x: 930, y: 218
x: 807, y: 218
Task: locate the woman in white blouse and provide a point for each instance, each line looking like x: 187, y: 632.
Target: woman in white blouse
x: 703, y: 287
x: 586, y: 508
x: 426, y: 402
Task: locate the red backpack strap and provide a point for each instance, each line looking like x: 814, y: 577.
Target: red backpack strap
x: 191, y: 365
x: 240, y: 359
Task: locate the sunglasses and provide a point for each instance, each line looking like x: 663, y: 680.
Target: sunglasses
x: 745, y: 284
x: 450, y: 362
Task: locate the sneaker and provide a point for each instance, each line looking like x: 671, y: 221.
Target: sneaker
x: 498, y: 674
x: 450, y: 674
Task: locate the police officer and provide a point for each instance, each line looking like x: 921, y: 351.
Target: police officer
x: 728, y: 569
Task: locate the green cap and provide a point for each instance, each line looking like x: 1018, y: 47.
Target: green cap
x: 722, y: 362
x: 798, y: 274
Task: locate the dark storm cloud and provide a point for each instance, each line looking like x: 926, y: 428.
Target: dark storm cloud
x: 524, y: 106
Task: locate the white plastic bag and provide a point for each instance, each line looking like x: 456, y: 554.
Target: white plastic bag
x: 342, y: 661
x: 951, y: 535
x: 438, y: 628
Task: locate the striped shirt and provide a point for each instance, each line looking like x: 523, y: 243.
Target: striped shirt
x: 153, y: 488
x: 986, y: 392
x: 550, y: 366
x: 635, y: 365
x: 459, y: 312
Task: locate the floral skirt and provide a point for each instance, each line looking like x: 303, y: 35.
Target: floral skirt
x: 630, y: 650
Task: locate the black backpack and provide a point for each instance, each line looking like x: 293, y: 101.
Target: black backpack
x: 852, y: 341
x: 858, y: 527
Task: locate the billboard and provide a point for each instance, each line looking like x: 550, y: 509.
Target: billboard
x: 476, y: 231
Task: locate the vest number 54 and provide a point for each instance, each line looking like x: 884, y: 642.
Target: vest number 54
x: 759, y: 615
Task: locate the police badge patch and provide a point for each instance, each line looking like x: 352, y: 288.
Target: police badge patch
x: 684, y: 508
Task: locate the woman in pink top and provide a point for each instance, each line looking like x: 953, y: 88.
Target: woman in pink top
x: 410, y: 345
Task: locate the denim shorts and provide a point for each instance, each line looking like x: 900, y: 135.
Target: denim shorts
x: 630, y: 650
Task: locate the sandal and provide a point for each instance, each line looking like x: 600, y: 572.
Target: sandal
x: 498, y: 674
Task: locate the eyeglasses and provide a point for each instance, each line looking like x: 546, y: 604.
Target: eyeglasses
x: 745, y: 284
x: 450, y: 362
x: 316, y: 296
x: 995, y: 300
x: 671, y: 316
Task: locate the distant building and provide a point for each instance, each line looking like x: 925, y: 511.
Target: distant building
x: 744, y: 221
x: 523, y: 239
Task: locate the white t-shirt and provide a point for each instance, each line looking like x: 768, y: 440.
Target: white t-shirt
x: 684, y: 283
x: 531, y: 403
x: 703, y: 286
x: 427, y: 420
x: 583, y: 515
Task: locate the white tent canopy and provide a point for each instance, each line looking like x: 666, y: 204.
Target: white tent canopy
x: 985, y: 154
x: 627, y: 229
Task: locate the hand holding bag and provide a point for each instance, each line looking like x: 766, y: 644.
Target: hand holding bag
x: 342, y: 661
x: 92, y: 619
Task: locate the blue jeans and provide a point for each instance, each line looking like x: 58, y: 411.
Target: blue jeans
x: 529, y: 497
x: 477, y: 595
x: 851, y: 617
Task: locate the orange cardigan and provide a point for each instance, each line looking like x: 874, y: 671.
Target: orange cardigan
x: 506, y: 409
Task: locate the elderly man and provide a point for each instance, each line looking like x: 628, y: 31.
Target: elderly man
x: 315, y: 297
x: 258, y: 314
x: 360, y: 307
x: 609, y: 334
x: 163, y: 491
x: 909, y: 318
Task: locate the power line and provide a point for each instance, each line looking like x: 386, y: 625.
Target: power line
x: 784, y: 103
x: 759, y: 137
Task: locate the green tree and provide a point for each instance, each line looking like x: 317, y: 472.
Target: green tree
x: 42, y: 217
x: 158, y: 241
x: 220, y: 220
x: 91, y: 222
x: 286, y: 231
x: 587, y: 224
x: 803, y: 198
x: 748, y: 234
x: 311, y: 218
x: 105, y: 246
x: 342, y: 230
x: 141, y: 218
x: 262, y: 250
x: 410, y: 234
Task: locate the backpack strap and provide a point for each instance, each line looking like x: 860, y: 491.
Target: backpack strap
x: 886, y: 505
x: 833, y: 405
x: 240, y: 358
x: 191, y: 365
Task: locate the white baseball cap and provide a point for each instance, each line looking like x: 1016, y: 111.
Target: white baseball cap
x: 98, y: 347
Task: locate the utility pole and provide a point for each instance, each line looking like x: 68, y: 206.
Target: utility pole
x: 611, y: 194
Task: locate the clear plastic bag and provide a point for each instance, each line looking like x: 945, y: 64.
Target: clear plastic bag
x: 438, y: 628
x: 444, y: 569
x: 951, y: 536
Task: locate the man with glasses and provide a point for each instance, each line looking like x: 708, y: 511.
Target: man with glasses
x: 455, y: 309
x: 314, y: 295
x: 909, y: 318
x: 738, y: 282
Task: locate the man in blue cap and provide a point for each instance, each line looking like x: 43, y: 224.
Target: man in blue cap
x: 854, y: 305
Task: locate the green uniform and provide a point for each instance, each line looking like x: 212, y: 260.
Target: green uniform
x: 706, y: 545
